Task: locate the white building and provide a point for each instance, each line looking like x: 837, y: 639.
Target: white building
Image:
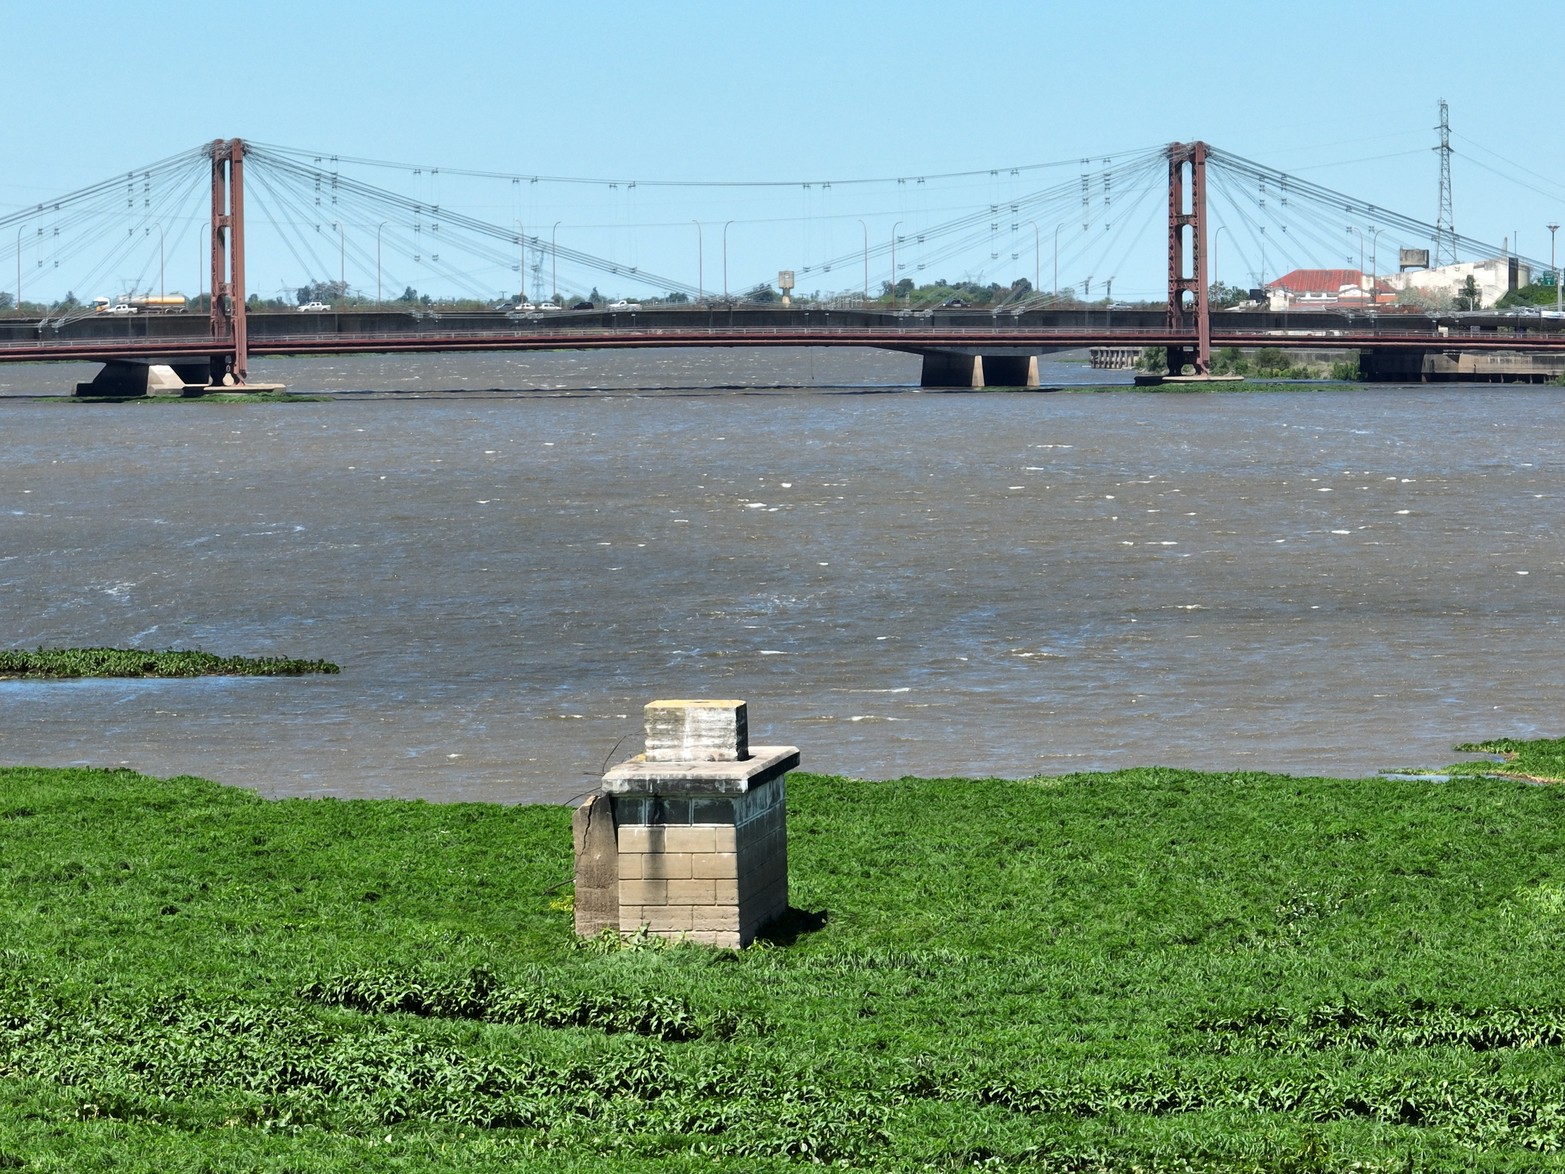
x: 1494, y: 278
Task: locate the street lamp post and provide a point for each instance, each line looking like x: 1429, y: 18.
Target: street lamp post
x: 726, y: 223
x: 554, y: 266
x: 1055, y: 288
x: 159, y: 227
x: 1036, y: 268
x: 894, y: 228
x: 342, y: 272
x: 1374, y: 267
x: 865, y: 227
x: 700, y: 276
x: 1552, y: 266
x: 18, y: 268
x: 378, y: 227
x: 521, y: 263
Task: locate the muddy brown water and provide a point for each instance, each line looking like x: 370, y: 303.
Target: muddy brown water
x: 509, y: 556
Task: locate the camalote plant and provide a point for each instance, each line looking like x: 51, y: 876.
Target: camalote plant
x: 1538, y: 759
x: 480, y: 995
x: 71, y: 663
x: 1151, y: 969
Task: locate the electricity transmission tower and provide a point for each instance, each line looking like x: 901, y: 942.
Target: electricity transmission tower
x: 1445, y: 234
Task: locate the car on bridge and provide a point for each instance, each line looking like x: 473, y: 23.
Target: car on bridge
x: 624, y: 305
x: 314, y: 308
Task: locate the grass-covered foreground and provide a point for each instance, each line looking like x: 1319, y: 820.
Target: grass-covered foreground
x: 1146, y: 970
x: 70, y: 663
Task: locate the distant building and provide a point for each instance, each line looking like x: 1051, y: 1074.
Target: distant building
x: 1328, y: 289
x: 1494, y: 278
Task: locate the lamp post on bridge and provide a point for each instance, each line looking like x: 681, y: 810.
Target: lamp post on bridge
x: 865, y: 227
x: 1036, y: 268
x: 342, y: 282
x: 1552, y: 265
x: 18, y: 268
x: 700, y: 276
x: 521, y: 265
x: 554, y: 266
x: 1055, y: 289
x: 378, y: 227
x: 1374, y: 268
x: 159, y: 227
x: 894, y: 228
x: 725, y: 259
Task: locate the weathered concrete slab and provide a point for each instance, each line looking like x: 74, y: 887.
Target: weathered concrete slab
x: 696, y: 731
x: 640, y: 777
x: 597, y: 867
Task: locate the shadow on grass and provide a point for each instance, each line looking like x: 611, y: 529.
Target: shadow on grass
x: 793, y: 925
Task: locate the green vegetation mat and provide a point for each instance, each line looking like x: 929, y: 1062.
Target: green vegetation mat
x: 1540, y: 760
x: 1151, y: 970
x: 137, y: 662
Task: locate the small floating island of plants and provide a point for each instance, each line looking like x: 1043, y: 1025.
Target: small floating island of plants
x: 76, y: 663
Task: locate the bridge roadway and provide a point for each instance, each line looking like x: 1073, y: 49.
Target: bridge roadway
x: 183, y: 337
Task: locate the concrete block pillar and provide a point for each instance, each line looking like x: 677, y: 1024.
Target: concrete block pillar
x: 700, y: 839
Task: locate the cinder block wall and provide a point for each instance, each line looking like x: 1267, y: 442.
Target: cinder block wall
x: 712, y: 869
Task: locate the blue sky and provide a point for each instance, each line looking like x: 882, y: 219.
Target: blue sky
x: 1344, y: 94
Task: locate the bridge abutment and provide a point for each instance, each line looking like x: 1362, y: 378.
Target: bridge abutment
x: 1387, y: 365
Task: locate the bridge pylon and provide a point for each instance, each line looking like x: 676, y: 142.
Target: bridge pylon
x: 231, y: 364
x: 1188, y: 308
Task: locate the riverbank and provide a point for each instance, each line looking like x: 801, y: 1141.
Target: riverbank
x: 1147, y: 969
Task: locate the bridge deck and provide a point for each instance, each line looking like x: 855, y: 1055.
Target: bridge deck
x: 183, y: 337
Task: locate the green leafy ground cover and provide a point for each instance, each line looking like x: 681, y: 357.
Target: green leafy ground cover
x: 1152, y: 970
x: 137, y: 662
x: 1539, y: 760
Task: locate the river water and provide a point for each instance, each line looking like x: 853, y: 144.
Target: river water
x: 509, y: 556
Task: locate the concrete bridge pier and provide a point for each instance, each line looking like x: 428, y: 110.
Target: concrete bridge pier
x: 130, y: 377
x: 955, y: 369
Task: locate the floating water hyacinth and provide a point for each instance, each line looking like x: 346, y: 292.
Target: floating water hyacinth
x: 72, y: 663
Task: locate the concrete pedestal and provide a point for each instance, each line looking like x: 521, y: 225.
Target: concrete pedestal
x: 699, y: 831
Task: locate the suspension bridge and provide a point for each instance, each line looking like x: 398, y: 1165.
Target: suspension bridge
x: 232, y: 195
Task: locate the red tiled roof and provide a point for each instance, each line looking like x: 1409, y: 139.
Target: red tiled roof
x: 1325, y: 281
x: 1317, y: 281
